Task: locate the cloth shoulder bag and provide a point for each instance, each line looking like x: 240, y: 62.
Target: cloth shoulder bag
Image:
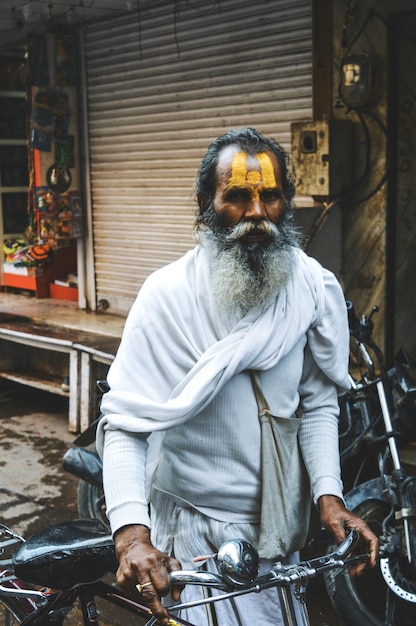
x: 285, y: 495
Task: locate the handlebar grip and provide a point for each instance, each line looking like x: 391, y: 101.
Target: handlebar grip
x: 198, y: 577
x: 341, y: 552
x: 353, y: 321
x: 348, y: 544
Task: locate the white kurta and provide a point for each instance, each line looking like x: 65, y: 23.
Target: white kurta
x: 181, y: 370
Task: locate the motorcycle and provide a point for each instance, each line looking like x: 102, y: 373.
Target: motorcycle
x: 377, y: 418
x: 82, y: 460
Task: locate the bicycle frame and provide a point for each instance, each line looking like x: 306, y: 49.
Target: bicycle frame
x: 54, y: 606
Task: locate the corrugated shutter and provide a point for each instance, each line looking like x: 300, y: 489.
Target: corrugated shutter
x: 161, y: 84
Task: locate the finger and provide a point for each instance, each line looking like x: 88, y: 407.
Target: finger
x: 371, y: 542
x: 161, y: 580
x: 367, y: 535
x: 176, y: 590
x: 141, y: 587
x: 337, y: 529
x: 152, y: 600
x: 374, y: 549
x: 357, y: 570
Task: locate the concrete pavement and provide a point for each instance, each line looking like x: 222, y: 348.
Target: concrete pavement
x: 34, y: 490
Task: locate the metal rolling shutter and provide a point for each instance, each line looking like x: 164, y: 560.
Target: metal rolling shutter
x: 161, y: 85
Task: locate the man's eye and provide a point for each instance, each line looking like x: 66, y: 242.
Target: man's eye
x: 238, y: 195
x: 270, y: 195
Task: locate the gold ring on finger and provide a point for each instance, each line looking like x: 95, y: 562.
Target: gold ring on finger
x: 140, y: 587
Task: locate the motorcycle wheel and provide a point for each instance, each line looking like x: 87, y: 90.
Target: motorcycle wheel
x: 367, y: 600
x: 91, y: 502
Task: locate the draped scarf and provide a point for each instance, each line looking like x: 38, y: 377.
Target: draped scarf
x: 176, y: 352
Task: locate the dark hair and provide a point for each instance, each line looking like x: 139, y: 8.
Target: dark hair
x: 250, y: 141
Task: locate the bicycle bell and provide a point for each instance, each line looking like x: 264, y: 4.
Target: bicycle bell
x: 238, y: 562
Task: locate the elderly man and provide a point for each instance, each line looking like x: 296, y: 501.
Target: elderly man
x: 181, y: 426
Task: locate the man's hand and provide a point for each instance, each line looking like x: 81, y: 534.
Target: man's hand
x: 336, y: 518
x: 141, y: 563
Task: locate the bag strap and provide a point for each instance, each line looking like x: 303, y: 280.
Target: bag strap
x: 262, y: 404
x: 261, y: 400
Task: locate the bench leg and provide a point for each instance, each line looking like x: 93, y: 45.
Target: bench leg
x: 74, y: 419
x: 86, y: 391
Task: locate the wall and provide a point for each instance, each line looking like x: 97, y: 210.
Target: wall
x: 379, y: 233
x: 404, y: 214
x: 363, y: 272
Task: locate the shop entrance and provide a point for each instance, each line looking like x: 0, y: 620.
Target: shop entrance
x: 41, y: 219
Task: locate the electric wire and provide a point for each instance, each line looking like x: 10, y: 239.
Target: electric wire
x: 361, y: 112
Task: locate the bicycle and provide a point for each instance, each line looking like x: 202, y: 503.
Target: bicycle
x: 44, y: 577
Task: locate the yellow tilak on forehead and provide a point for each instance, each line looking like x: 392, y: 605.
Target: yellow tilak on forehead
x: 240, y: 176
x: 267, y: 171
x: 238, y: 169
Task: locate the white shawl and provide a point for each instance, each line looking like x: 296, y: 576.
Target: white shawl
x: 176, y: 354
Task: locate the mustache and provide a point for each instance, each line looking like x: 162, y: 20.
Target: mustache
x: 243, y: 229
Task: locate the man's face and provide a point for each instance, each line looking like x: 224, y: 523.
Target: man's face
x: 249, y: 188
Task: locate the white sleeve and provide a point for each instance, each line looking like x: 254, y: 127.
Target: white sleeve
x: 318, y: 434
x: 124, y: 475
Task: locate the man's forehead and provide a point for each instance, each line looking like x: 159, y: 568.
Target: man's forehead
x: 241, y: 168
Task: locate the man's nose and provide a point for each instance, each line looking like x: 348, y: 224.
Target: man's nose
x: 256, y: 209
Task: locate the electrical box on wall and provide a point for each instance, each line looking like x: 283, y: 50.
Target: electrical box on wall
x: 321, y: 157
x: 357, y: 87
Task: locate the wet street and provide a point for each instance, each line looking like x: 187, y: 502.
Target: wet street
x: 35, y: 492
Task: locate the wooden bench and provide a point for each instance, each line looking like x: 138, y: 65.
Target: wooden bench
x: 43, y: 356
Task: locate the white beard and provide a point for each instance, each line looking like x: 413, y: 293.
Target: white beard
x: 244, y: 276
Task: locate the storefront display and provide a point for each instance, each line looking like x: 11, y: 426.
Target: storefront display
x: 39, y: 178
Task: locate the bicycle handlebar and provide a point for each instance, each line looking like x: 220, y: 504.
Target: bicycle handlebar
x: 279, y: 575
